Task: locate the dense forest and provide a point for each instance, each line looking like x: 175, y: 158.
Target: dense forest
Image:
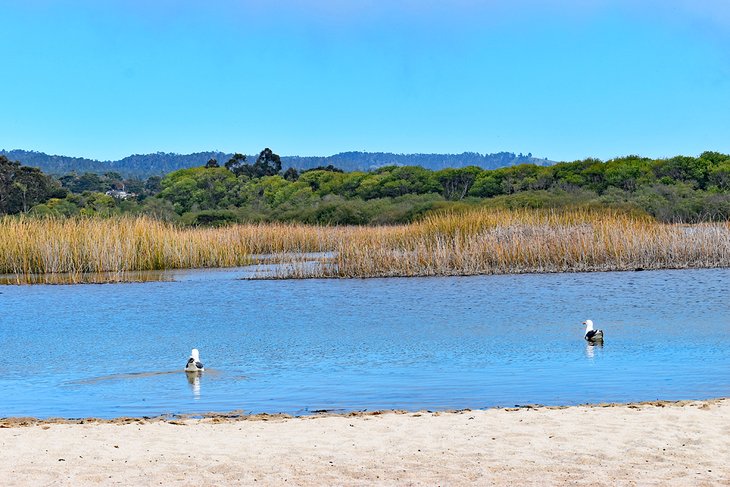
x: 243, y: 189
x: 143, y: 166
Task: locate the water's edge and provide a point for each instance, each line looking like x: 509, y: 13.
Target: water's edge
x: 270, y: 272
x: 234, y: 416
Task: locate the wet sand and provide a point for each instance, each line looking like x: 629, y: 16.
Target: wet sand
x: 675, y: 443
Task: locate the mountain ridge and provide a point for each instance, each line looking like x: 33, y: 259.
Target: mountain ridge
x: 160, y: 163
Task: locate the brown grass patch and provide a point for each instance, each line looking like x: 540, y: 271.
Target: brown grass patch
x: 482, y: 241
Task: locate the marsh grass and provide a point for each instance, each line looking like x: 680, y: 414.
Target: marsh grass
x: 488, y: 241
x: 480, y: 241
x: 79, y: 247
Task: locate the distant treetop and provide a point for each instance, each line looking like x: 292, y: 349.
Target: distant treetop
x: 160, y: 163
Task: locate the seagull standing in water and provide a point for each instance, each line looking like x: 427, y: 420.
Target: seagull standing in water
x: 592, y: 336
x: 194, y: 364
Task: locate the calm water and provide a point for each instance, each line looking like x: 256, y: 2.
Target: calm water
x: 300, y: 346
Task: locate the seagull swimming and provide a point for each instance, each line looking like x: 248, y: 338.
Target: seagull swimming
x: 592, y: 335
x: 194, y: 364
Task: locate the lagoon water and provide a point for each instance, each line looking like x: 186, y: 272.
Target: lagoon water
x: 420, y: 343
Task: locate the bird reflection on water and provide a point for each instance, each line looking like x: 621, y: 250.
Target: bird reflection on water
x: 194, y: 381
x: 592, y: 348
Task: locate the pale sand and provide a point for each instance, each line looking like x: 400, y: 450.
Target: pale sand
x: 648, y: 444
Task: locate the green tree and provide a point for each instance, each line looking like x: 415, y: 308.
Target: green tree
x: 456, y: 183
x: 409, y: 180
x: 691, y: 170
x: 160, y: 209
x: 273, y: 191
x: 267, y: 164
x: 114, y: 178
x: 291, y: 174
x: 629, y: 173
x: 206, y: 189
x: 84, y: 182
x: 153, y: 185
x: 236, y: 163
x: 23, y: 187
x: 487, y: 184
x: 720, y: 176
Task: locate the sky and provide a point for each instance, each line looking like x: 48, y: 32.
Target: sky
x: 562, y: 79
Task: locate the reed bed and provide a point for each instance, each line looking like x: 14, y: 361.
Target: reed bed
x: 78, y: 247
x: 481, y: 241
x: 489, y: 241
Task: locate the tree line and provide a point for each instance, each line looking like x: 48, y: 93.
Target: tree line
x: 681, y: 188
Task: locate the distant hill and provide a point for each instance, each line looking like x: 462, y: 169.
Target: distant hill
x: 160, y: 163
x: 365, y: 161
x: 138, y: 165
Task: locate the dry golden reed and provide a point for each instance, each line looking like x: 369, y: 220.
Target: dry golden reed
x: 498, y: 241
x: 89, y: 245
x: 480, y: 241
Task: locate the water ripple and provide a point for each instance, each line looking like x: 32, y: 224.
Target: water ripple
x: 419, y: 343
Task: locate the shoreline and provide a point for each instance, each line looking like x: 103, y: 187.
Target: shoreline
x: 239, y: 415
x: 654, y: 443
x: 56, y: 279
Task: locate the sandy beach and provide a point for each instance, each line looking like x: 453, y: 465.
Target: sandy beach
x: 683, y: 443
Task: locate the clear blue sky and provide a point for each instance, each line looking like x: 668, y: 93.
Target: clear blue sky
x: 564, y: 79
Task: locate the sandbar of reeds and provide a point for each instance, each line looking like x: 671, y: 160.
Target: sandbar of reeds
x: 489, y: 241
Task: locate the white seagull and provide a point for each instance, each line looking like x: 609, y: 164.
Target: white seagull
x: 194, y: 364
x: 592, y: 335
